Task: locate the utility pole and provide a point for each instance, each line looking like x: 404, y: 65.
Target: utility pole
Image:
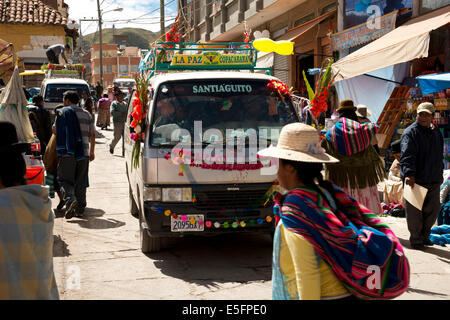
x: 161, y: 8
x: 182, y: 10
x: 101, y: 41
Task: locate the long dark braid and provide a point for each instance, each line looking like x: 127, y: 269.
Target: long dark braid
x: 308, y: 173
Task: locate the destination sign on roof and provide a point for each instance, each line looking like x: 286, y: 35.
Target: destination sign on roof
x: 212, y: 59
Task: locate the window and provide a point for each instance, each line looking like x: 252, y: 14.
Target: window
x: 328, y: 8
x: 107, y: 68
x: 123, y: 68
x: 54, y: 92
x: 429, y: 5
x: 221, y: 106
x: 304, y: 19
x: 96, y: 69
x: 134, y: 68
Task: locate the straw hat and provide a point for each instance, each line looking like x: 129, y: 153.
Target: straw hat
x: 362, y: 111
x: 346, y: 105
x: 298, y: 142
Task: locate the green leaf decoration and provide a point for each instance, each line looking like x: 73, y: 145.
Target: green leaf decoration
x: 311, y: 93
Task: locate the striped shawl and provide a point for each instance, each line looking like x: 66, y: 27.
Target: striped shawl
x: 356, y: 245
x: 350, y: 137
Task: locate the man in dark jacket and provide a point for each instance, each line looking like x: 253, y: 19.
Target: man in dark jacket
x: 40, y: 121
x: 421, y: 163
x: 75, y: 144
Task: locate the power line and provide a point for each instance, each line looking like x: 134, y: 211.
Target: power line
x: 146, y: 23
x: 157, y: 9
x: 137, y: 20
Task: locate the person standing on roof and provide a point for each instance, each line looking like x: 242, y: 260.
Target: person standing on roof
x: 55, y: 50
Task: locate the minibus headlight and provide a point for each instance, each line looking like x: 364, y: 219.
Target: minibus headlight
x: 152, y: 194
x: 177, y: 194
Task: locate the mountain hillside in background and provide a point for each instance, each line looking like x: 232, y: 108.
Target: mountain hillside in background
x: 136, y: 37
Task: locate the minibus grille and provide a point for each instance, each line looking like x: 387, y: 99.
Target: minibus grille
x: 245, y: 200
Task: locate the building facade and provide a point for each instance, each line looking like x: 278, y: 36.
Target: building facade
x: 357, y: 28
x: 306, y: 22
x: 116, y: 63
x: 32, y: 26
x: 317, y: 28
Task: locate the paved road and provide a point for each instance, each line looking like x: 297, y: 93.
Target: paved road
x: 104, y: 248
x: 98, y: 257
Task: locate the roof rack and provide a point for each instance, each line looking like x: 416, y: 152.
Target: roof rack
x: 170, y: 56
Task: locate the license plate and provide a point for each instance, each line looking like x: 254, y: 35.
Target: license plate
x: 192, y: 222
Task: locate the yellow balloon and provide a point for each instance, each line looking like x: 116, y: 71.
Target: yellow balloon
x: 284, y: 48
x: 264, y: 44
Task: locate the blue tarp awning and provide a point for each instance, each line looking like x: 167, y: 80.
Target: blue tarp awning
x: 434, y: 82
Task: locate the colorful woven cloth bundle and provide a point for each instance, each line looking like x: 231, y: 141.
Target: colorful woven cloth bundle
x: 350, y: 137
x: 351, y: 243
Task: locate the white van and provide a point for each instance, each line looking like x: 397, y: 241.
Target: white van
x: 52, y: 90
x: 203, y: 113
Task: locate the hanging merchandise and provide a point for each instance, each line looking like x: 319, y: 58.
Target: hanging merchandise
x: 215, y: 7
x: 247, y: 32
x: 13, y: 108
x: 173, y: 35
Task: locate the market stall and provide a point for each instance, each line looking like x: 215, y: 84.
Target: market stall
x: 427, y: 88
x: 13, y: 108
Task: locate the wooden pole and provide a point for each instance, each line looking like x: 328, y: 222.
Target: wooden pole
x: 161, y: 8
x: 101, y: 41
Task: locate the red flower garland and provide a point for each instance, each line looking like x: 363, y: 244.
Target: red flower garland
x: 217, y: 166
x: 279, y: 87
x: 319, y: 103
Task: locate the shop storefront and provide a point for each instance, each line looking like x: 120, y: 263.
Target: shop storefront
x: 312, y: 46
x: 386, y: 62
x: 418, y: 47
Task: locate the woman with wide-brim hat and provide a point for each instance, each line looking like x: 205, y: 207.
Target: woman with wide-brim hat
x: 314, y: 247
x: 360, y: 168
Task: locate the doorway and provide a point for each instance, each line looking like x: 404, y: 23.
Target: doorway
x: 305, y: 61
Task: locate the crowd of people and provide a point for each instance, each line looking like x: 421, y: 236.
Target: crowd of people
x: 67, y: 146
x: 66, y: 163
